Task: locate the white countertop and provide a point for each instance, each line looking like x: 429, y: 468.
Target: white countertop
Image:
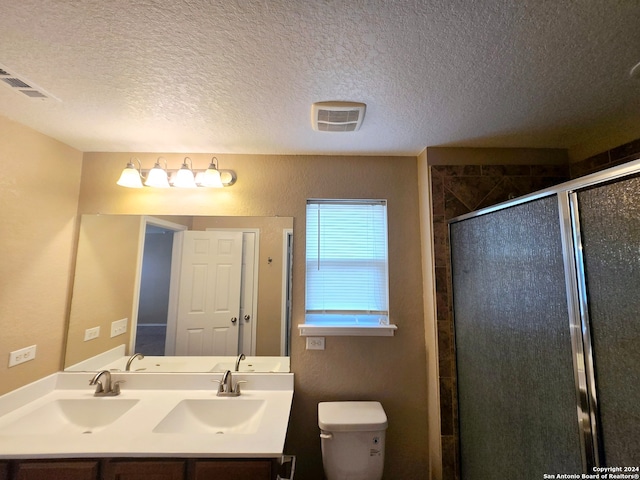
x: 115, y: 360
x: 132, y: 435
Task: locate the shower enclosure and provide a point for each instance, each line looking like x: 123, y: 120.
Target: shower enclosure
x: 547, y: 327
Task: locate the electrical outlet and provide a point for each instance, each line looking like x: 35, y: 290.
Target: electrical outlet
x: 91, y: 333
x: 22, y: 355
x: 119, y: 327
x: 315, y: 343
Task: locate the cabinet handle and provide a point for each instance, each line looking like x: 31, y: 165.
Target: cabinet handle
x: 247, y: 318
x: 234, y: 320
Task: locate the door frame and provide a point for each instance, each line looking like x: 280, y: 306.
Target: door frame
x: 177, y: 229
x: 287, y: 284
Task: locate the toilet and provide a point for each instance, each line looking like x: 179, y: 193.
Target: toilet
x: 352, y: 436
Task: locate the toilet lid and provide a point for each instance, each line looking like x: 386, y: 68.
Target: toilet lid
x: 351, y: 416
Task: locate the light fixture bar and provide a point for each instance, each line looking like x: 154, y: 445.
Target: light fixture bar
x: 159, y: 177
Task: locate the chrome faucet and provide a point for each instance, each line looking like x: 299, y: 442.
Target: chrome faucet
x: 131, y: 359
x: 103, y: 386
x: 238, y: 360
x: 226, y: 388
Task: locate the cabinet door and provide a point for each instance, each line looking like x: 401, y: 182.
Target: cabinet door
x: 231, y: 470
x: 62, y: 470
x: 4, y: 471
x: 144, y: 470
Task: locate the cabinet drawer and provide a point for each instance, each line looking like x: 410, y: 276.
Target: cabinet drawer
x: 56, y: 470
x: 144, y: 470
x: 259, y: 469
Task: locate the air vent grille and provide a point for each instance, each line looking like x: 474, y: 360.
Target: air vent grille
x: 337, y: 116
x: 22, y: 86
x: 15, y: 83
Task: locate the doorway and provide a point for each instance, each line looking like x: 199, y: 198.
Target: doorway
x: 156, y: 327
x: 159, y: 243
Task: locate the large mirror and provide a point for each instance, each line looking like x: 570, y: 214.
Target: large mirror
x: 190, y: 293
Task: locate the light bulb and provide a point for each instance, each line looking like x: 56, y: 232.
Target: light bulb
x: 211, y: 177
x: 184, y: 177
x: 157, y: 177
x: 130, y: 177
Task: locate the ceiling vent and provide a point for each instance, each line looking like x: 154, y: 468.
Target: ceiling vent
x: 22, y: 86
x: 337, y: 116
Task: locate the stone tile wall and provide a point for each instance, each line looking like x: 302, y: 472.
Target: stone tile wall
x: 610, y: 158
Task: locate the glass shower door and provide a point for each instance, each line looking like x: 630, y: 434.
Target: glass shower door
x: 516, y: 387
x: 610, y: 235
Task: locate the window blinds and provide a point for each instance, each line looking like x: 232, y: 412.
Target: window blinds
x: 346, y: 255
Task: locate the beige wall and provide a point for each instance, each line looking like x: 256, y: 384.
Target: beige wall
x: 104, y: 283
x: 39, y: 186
x: 391, y: 370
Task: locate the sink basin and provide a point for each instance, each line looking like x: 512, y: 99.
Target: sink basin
x: 213, y: 416
x: 70, y: 416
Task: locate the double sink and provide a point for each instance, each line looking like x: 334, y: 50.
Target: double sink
x: 154, y: 415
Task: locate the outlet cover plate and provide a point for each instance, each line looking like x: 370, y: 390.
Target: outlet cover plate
x: 91, y: 333
x: 23, y: 355
x: 119, y: 327
x: 315, y: 343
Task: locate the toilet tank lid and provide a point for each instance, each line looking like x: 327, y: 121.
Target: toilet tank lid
x: 351, y: 416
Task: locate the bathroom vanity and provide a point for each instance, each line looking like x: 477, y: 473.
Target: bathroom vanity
x: 160, y: 426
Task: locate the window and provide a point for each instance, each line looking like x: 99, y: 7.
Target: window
x: 347, y: 268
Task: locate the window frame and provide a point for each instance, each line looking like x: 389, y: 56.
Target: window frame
x: 343, y: 322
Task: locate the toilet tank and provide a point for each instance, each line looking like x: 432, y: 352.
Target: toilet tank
x: 353, y: 439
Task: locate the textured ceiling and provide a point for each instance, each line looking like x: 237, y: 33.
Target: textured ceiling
x: 240, y: 76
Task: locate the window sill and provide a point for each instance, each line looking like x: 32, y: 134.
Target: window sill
x: 347, y: 330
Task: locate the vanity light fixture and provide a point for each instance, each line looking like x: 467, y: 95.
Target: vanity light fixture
x: 185, y: 177
x: 131, y: 176
x: 157, y: 176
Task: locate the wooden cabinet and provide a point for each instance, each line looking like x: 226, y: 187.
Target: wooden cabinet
x: 257, y: 469
x: 139, y: 469
x: 144, y: 469
x: 56, y: 470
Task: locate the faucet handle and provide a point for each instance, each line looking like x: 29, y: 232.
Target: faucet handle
x: 99, y: 387
x: 237, y: 389
x: 220, y: 386
x: 115, y: 389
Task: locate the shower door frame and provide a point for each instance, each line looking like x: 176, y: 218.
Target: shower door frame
x: 577, y: 301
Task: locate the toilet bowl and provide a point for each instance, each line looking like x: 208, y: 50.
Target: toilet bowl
x: 353, y: 438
